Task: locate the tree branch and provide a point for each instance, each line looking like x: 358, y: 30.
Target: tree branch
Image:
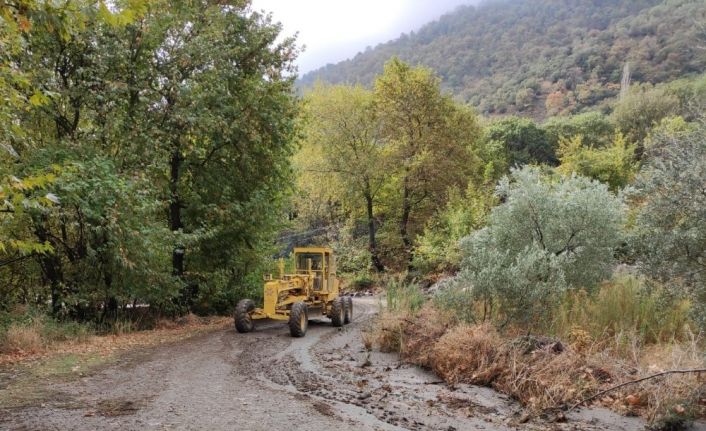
x: 663, y: 373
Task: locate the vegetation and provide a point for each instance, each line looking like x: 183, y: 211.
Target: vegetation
x: 154, y: 157
x: 134, y: 140
x: 540, y: 58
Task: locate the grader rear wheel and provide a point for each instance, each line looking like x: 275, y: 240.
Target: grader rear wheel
x: 298, y: 319
x: 243, y: 320
x: 338, y: 312
x: 348, y: 302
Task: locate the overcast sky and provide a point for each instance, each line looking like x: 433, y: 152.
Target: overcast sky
x: 334, y: 30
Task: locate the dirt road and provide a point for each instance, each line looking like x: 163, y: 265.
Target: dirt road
x: 267, y: 380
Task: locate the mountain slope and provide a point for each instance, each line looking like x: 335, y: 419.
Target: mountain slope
x: 544, y: 57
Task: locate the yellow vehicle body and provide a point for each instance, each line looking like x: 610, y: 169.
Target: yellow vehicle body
x: 312, y: 290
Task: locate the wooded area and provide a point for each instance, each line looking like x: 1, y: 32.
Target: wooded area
x: 145, y: 153
x: 541, y: 57
x: 156, y: 157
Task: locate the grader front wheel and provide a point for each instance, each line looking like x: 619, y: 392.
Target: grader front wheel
x: 243, y: 320
x: 298, y: 319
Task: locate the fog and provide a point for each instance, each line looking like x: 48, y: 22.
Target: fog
x: 334, y: 30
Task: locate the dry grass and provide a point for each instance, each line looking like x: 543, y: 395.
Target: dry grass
x: 543, y: 373
x: 386, y: 332
x: 466, y: 354
x: 107, y: 345
x: 22, y: 338
x: 420, y: 338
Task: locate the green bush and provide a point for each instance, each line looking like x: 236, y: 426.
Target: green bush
x: 627, y: 305
x: 550, y: 234
x: 362, y: 281
x: 402, y: 295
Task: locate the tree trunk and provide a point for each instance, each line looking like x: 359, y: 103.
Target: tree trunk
x: 51, y: 265
x: 404, y: 221
x: 372, y: 244
x: 175, y: 212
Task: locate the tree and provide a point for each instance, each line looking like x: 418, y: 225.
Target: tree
x: 670, y: 228
x: 438, y: 247
x: 523, y: 140
x: 548, y: 235
x: 168, y: 127
x: 642, y: 108
x: 595, y: 129
x: 614, y: 165
x: 432, y: 140
x: 343, y: 132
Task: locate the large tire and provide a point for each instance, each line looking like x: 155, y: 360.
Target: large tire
x: 348, y: 302
x: 243, y: 320
x: 338, y: 312
x: 298, y: 319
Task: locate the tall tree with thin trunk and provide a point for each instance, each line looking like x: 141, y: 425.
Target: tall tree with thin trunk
x: 431, y: 139
x: 343, y: 136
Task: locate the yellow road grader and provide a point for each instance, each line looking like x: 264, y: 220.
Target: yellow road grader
x: 310, y: 292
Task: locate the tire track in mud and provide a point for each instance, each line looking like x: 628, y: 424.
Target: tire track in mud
x: 374, y: 391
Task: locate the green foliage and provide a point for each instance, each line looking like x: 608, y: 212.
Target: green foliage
x: 626, y: 307
x: 595, y: 129
x: 642, y: 108
x: 669, y: 233
x: 385, y: 159
x: 539, y: 56
x: 438, y: 248
x: 342, y: 158
x: 150, y: 142
x: 614, y: 164
x: 434, y: 144
x: 403, y: 296
x: 547, y: 235
x: 523, y: 140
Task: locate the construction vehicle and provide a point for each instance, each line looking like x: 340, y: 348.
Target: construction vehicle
x: 311, y: 291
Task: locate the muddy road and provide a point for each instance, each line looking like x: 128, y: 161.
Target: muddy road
x: 267, y: 380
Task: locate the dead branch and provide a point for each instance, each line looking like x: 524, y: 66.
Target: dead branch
x: 663, y: 373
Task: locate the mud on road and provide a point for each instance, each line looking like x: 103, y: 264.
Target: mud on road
x: 267, y: 380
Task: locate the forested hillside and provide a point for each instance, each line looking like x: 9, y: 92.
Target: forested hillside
x: 544, y: 57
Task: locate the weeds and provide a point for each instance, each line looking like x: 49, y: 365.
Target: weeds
x: 625, y: 310
x: 544, y: 373
x: 403, y: 296
x: 29, y: 331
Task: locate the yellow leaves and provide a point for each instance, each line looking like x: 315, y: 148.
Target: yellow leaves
x: 614, y: 164
x: 120, y: 18
x: 24, y: 24
x: 25, y: 247
x: 31, y: 183
x: 38, y: 99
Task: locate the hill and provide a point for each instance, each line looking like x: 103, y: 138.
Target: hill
x: 543, y: 57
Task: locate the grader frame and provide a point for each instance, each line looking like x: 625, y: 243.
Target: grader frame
x: 311, y: 291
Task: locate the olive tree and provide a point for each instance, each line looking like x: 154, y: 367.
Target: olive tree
x: 548, y: 235
x: 670, y: 229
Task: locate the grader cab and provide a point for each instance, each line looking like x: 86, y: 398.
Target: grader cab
x: 310, y: 292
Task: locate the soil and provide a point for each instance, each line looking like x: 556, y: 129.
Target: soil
x: 267, y: 380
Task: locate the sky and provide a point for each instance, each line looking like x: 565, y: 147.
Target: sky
x: 334, y: 30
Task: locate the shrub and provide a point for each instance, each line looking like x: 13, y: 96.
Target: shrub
x: 614, y: 164
x: 403, y: 296
x: 669, y: 235
x: 550, y: 234
x: 625, y: 307
x: 362, y: 281
x: 21, y: 338
x: 438, y: 247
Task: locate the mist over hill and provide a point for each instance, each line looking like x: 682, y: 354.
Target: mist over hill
x: 543, y: 57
